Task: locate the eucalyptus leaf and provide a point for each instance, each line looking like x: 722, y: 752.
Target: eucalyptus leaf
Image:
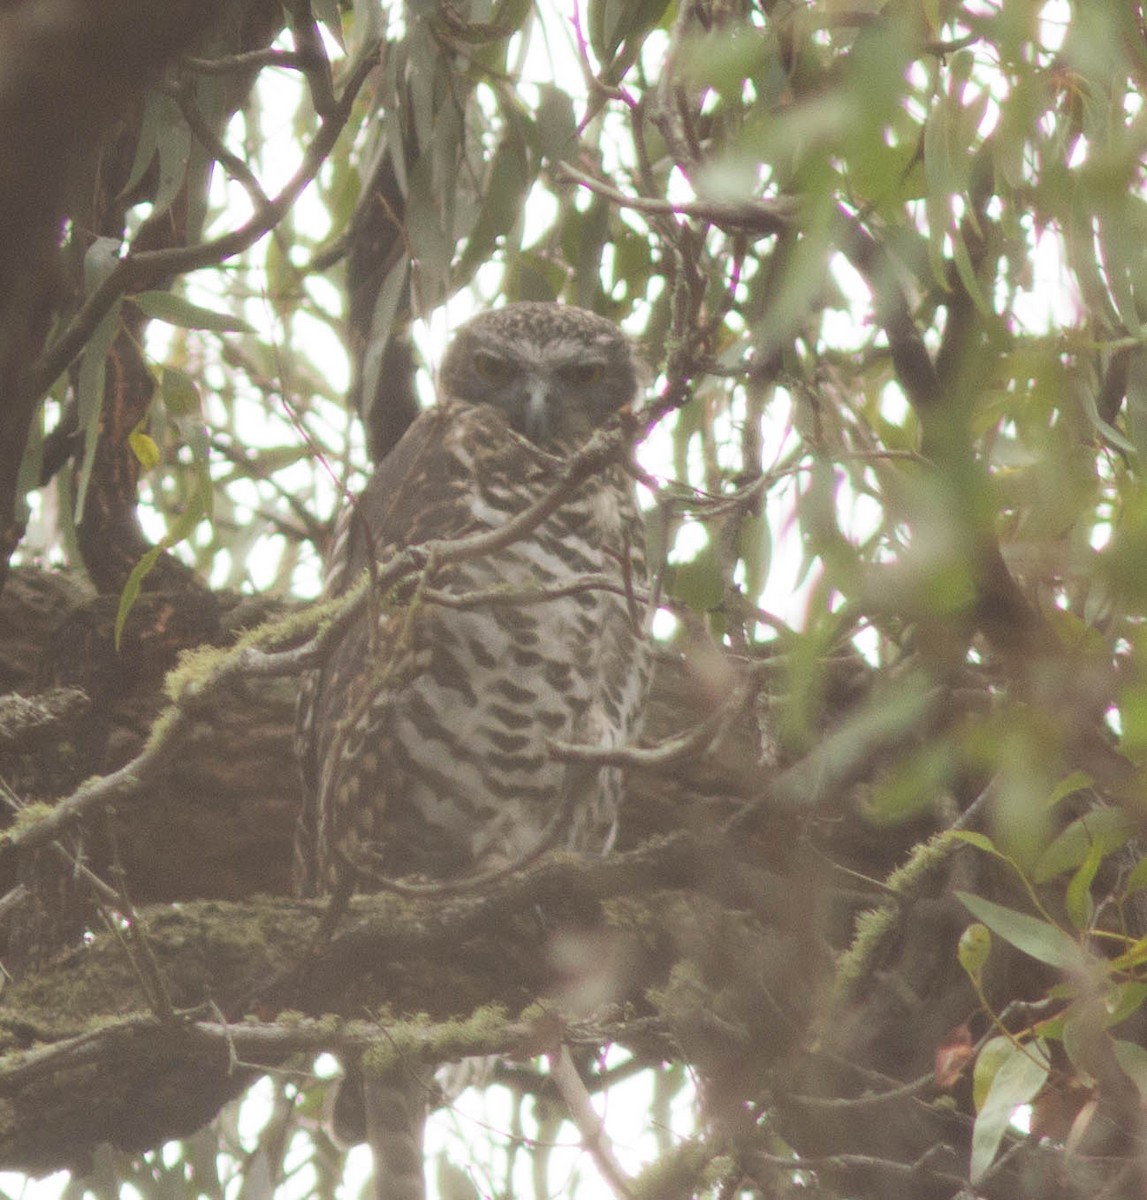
x: 175, y: 310
x: 1033, y: 935
x: 90, y: 384
x: 1018, y: 1079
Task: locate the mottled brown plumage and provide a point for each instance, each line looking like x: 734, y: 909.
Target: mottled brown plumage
x: 424, y: 735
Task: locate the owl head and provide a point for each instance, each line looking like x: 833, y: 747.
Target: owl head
x: 557, y: 372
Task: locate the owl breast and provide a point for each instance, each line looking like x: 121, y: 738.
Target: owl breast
x: 451, y: 740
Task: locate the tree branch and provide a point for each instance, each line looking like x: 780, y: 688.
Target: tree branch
x: 142, y: 270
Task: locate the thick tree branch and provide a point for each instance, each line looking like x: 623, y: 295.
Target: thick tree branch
x: 72, y: 68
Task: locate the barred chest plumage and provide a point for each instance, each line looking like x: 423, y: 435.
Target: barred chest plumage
x: 436, y: 754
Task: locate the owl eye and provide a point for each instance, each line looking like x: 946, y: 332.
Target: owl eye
x: 582, y: 374
x: 492, y: 368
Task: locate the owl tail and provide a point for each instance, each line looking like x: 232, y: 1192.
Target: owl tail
x: 389, y: 1113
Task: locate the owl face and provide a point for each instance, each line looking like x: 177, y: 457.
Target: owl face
x: 557, y: 372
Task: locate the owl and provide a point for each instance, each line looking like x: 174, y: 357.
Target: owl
x: 424, y: 736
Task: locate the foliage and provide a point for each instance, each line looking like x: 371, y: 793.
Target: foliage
x: 885, y: 263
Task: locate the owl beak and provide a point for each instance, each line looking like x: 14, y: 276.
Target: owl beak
x: 538, y: 417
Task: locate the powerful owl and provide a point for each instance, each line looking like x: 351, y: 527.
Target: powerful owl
x: 425, y: 736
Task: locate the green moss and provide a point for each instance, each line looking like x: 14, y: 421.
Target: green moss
x: 874, y: 925
x: 30, y: 814
x: 194, y: 669
x: 719, y: 1170
x: 330, y: 1023
x: 925, y: 858
x: 161, y: 726
x: 680, y: 1173
x: 198, y: 665
x: 535, y: 1012
x: 482, y: 1032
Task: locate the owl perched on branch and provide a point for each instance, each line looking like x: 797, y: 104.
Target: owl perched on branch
x: 426, y: 736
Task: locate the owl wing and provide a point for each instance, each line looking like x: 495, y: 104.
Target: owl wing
x: 414, y: 495
x: 423, y: 490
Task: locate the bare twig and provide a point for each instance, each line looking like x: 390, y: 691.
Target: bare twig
x: 763, y: 217
x: 184, y: 97
x: 527, y: 597
x: 666, y: 753
x: 251, y: 60
x: 589, y: 1124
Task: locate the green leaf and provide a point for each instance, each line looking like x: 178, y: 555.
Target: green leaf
x: 329, y: 13
x: 1021, y: 1072
x: 180, y: 393
x: 1109, y: 433
x: 184, y: 525
x: 973, y: 949
x: 1124, y: 999
x: 163, y: 306
x: 1136, y: 400
x: 1105, y: 828
x: 1033, y: 935
x: 556, y: 125
x: 967, y: 273
x: 725, y: 56
x: 913, y: 782
x: 697, y: 582
x: 754, y: 549
x: 453, y: 1182
x: 1133, y: 1059
x: 612, y: 22
x: 257, y: 1181
x: 511, y: 175
x: 144, y: 449
x: 1080, y: 907
x: 1077, y: 781
x: 130, y: 592
x: 980, y: 840
x: 173, y: 141
x: 100, y: 261
x: 390, y: 296
x: 156, y: 109
x: 1137, y: 880
x: 90, y: 381
x: 992, y: 1056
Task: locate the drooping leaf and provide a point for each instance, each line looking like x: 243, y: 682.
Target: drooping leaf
x: 173, y: 141
x: 197, y: 509
x: 1019, y: 1074
x: 1103, y: 829
x: 144, y: 449
x: 175, y: 310
x: 1033, y: 935
x: 91, y: 380
x: 102, y: 257
x: 973, y: 949
x: 556, y: 125
x: 1133, y: 1059
x: 329, y: 12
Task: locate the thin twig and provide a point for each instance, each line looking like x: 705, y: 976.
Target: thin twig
x: 667, y: 753
x: 588, y: 1122
x: 764, y: 217
x: 289, y: 60
x: 184, y: 97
